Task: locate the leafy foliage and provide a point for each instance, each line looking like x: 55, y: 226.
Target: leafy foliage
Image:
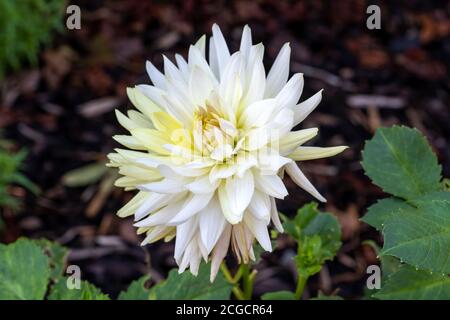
x: 57, y: 255
x: 136, y: 290
x: 185, y: 286
x: 26, y: 25
x: 31, y: 268
x: 279, y: 295
x: 24, y: 271
x: 409, y: 283
x: 400, y: 161
x: 28, y: 268
x: 416, y: 228
x: 318, y: 235
x: 421, y: 236
x: 10, y: 165
x: 87, y: 291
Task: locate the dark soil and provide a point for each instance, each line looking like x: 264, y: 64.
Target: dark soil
x: 44, y: 109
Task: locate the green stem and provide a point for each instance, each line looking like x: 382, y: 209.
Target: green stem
x: 226, y: 272
x: 301, y: 283
x: 248, y: 280
x: 247, y: 283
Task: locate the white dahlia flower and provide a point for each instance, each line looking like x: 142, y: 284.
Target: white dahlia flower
x: 210, y: 142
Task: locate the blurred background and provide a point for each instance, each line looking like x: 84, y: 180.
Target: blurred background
x: 59, y: 88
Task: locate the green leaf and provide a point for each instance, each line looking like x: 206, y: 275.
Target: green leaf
x: 411, y: 284
x: 389, y: 265
x: 25, y: 182
x: 400, y: 161
x: 318, y: 235
x: 57, y: 254
x: 278, y: 295
x: 24, y: 271
x: 420, y: 236
x: 185, y: 286
x: 87, y: 291
x: 321, y: 296
x: 379, y: 212
x: 85, y: 175
x: 136, y: 290
x: 438, y: 196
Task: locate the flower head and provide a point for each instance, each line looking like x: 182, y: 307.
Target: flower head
x: 209, y: 144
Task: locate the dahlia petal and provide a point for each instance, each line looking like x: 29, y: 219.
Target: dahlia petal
x: 201, y: 44
x: 164, y: 186
x: 279, y: 73
x: 200, y: 86
x: 258, y: 113
x: 292, y: 140
x: 303, y: 109
x: 162, y: 216
x: 155, y: 234
x: 235, y: 195
x: 213, y: 61
x: 158, y: 79
x: 259, y: 229
x: 125, y: 121
x: 133, y: 204
x: 185, y: 233
x: 291, y: 92
x: 153, y: 202
x: 255, y: 82
x: 193, y: 205
x: 271, y: 185
x: 212, y: 224
x: 220, y: 251
x: 221, y: 48
x: 310, y: 153
x: 260, y: 206
x: 143, y: 103
x: 182, y: 65
x: 246, y: 41
x: 171, y: 71
x: 275, y: 216
x: 299, y: 178
x: 140, y: 119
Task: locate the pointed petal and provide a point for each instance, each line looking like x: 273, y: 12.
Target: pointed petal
x: 294, y: 139
x: 310, y: 153
x: 235, y: 195
x: 185, y: 233
x: 165, y: 186
x: 271, y: 185
x: 246, y: 41
x: 258, y: 113
x: 221, y: 48
x: 193, y: 205
x: 211, y: 223
x: 299, y: 178
x: 259, y: 229
x: 158, y: 79
x: 220, y: 251
x: 154, y: 201
x: 162, y: 216
x: 303, y: 109
x: 260, y: 206
x: 279, y: 73
x: 291, y: 92
x: 275, y: 216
